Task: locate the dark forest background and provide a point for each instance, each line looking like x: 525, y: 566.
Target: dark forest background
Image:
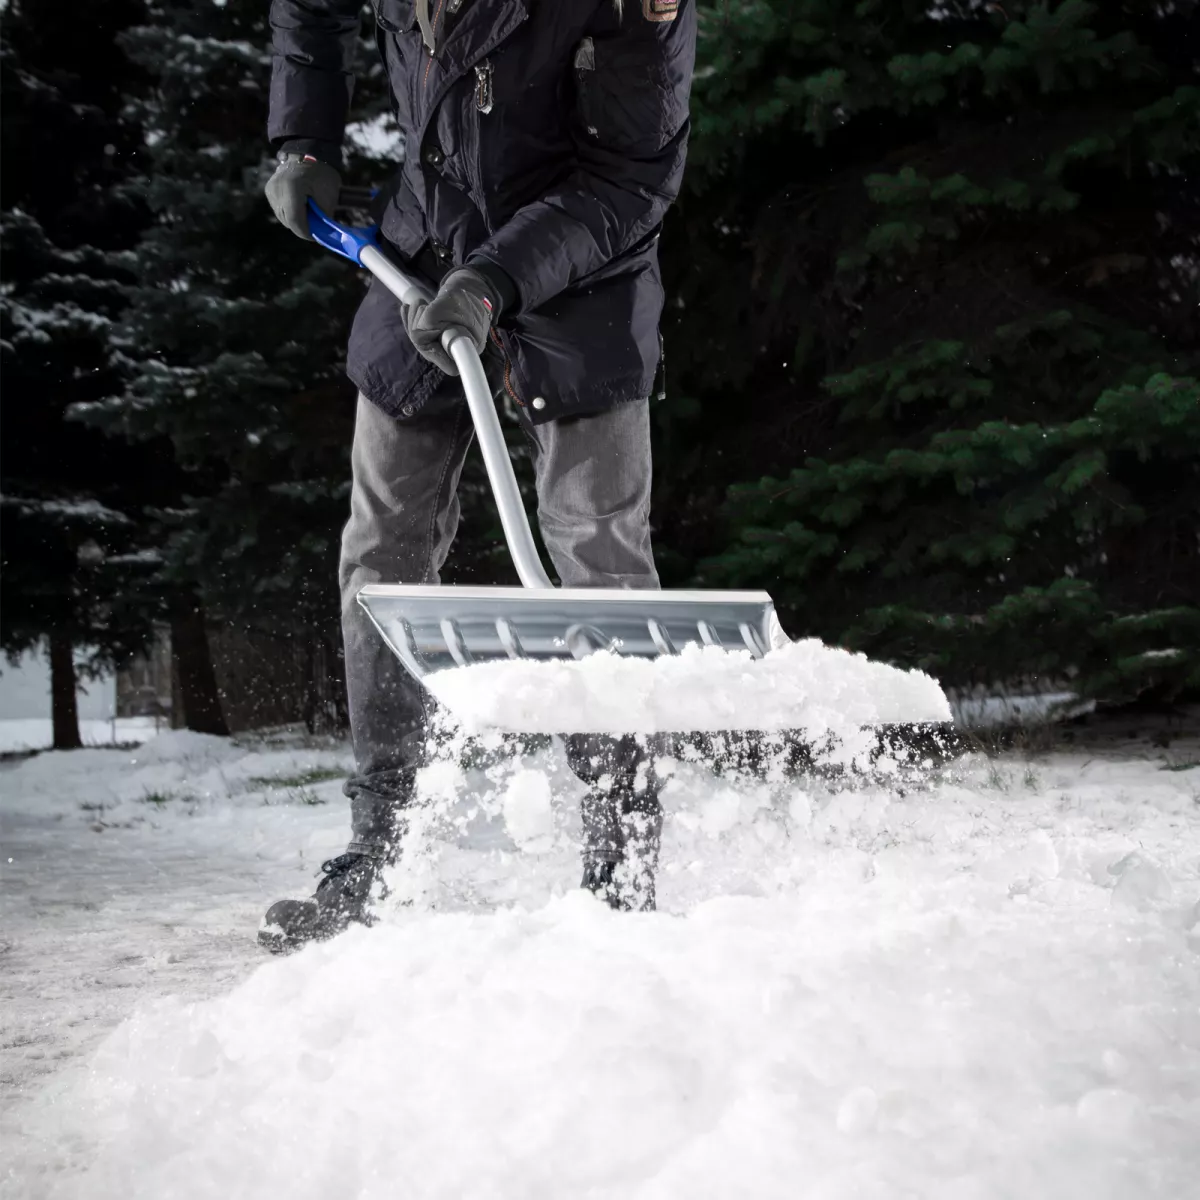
x: 931, y: 334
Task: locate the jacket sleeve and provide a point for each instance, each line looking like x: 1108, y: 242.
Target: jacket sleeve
x: 631, y: 130
x: 313, y: 49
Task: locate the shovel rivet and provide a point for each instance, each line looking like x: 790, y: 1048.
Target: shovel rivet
x: 539, y: 403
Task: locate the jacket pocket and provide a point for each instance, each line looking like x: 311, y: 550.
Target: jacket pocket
x: 643, y: 253
x: 593, y: 345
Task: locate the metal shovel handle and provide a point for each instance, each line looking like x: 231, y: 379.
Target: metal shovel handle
x: 360, y: 244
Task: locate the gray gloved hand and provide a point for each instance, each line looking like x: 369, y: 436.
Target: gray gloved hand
x: 467, y: 301
x: 296, y: 178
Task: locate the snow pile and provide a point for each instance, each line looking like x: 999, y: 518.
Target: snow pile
x: 802, y: 685
x: 831, y: 1044
x: 986, y: 988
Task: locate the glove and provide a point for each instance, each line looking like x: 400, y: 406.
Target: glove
x: 466, y: 301
x: 296, y: 178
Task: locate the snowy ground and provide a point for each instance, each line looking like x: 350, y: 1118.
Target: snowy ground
x: 34, y: 733
x: 986, y: 985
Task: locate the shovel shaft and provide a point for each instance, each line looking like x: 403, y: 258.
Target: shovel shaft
x: 404, y: 287
x: 496, y: 459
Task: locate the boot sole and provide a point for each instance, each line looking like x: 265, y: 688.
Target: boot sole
x: 277, y: 943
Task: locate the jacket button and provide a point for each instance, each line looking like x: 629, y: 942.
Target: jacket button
x: 539, y: 403
x: 408, y: 409
x: 433, y: 155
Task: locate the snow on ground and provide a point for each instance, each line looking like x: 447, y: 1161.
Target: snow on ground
x: 986, y: 984
x: 1009, y: 710
x: 35, y: 733
x: 127, y: 874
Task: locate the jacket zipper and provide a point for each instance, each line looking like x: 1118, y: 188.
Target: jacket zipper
x: 483, y: 105
x: 437, y: 12
x: 508, y: 387
x: 484, y: 101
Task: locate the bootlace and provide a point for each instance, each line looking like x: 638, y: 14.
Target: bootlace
x: 341, y: 864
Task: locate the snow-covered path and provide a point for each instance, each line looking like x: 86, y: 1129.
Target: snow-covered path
x: 986, y: 986
x: 131, y: 875
x: 93, y: 924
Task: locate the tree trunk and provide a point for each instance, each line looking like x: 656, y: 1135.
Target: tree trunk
x: 310, y: 680
x: 192, y: 667
x: 63, y: 707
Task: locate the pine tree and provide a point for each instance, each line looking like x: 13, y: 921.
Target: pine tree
x: 235, y: 337
x: 74, y: 566
x: 960, y: 260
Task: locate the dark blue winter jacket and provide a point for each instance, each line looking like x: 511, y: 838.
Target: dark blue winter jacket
x: 546, y: 137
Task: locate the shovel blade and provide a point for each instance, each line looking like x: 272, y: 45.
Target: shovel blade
x: 434, y: 629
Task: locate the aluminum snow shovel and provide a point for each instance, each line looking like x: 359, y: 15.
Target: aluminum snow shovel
x: 433, y: 628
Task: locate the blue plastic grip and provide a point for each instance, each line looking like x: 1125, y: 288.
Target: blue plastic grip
x: 347, y: 240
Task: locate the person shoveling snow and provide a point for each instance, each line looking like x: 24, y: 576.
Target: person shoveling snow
x: 500, y: 255
x: 538, y: 222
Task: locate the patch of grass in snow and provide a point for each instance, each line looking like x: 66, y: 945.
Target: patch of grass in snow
x: 300, y: 795
x: 299, y: 779
x: 16, y: 756
x: 998, y: 778
x: 304, y: 795
x: 1181, y: 766
x: 289, y: 737
x: 1029, y: 740
x: 162, y: 799
x: 1004, y: 777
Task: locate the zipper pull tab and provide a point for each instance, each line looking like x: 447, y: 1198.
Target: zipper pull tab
x: 483, y: 86
x: 427, y: 22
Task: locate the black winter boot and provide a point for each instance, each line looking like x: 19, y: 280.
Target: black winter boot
x: 619, y: 886
x: 342, y: 898
x: 622, y: 817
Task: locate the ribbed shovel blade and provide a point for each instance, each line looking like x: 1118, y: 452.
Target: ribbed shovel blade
x: 434, y: 628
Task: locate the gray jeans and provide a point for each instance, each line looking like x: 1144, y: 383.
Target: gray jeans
x: 593, y: 488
